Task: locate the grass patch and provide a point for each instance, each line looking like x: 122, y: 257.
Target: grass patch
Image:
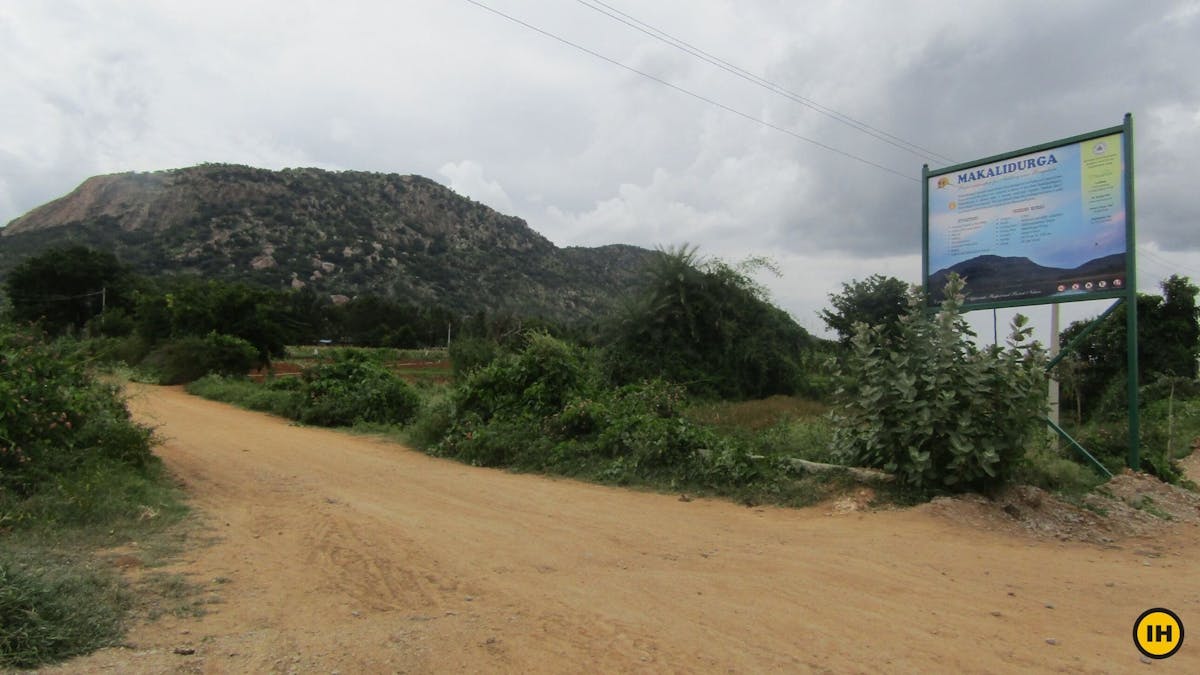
x: 755, y: 415
x: 100, y: 504
x: 1050, y: 468
x: 170, y: 593
x: 60, y: 592
x: 278, y: 396
x: 1146, y: 503
x: 54, y: 606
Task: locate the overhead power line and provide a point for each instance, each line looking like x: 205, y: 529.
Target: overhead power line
x: 662, y: 36
x: 31, y: 299
x: 693, y: 94
x: 1166, y: 264
x: 41, y: 299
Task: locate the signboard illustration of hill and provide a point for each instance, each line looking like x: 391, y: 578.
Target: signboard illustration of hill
x: 1044, y: 224
x: 992, y: 278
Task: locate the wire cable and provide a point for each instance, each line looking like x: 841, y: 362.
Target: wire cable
x: 667, y: 38
x: 31, y: 299
x: 1169, y: 264
x: 693, y: 94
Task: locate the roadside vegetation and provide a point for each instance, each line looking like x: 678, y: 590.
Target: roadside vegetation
x: 76, y: 475
x: 698, y: 385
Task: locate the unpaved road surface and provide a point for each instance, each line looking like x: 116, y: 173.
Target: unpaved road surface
x: 335, y: 553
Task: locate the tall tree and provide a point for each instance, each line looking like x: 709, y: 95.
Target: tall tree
x: 1168, y: 344
x: 710, y: 326
x: 63, y: 288
x: 876, y: 301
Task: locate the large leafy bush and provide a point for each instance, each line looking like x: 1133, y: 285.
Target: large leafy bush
x: 710, y: 327
x: 191, y: 357
x: 933, y: 408
x: 548, y: 408
x: 352, y: 388
x: 55, y: 418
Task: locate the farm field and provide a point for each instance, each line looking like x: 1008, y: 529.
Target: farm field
x: 328, y: 552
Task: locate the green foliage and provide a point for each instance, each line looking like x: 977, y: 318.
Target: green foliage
x: 73, y: 466
x: 189, y: 308
x: 546, y: 408
x: 283, y: 397
x: 874, y: 301
x: 1056, y: 470
x: 472, y: 353
x: 189, y: 358
x: 537, y: 380
x: 347, y: 388
x: 932, y: 408
x: 352, y: 388
x: 1093, y: 374
x: 55, y: 418
x: 55, y: 611
x: 708, y: 326
x: 63, y: 288
x: 432, y: 422
x: 1169, y: 427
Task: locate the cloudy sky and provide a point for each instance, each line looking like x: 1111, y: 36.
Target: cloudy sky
x: 622, y: 137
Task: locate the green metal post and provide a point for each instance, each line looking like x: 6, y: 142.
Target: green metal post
x: 925, y: 232
x: 1131, y: 322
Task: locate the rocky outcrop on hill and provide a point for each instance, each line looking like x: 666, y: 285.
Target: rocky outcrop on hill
x: 338, y: 233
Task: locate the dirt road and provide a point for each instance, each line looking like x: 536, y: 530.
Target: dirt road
x: 336, y: 553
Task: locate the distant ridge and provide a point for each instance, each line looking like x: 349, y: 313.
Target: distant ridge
x: 336, y: 233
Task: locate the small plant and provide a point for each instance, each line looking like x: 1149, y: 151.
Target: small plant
x: 934, y: 409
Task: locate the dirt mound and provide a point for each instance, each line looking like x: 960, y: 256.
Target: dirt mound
x: 1130, y: 505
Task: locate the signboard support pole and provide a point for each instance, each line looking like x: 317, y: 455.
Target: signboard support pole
x: 1131, y: 305
x: 1053, y: 397
x: 1131, y: 328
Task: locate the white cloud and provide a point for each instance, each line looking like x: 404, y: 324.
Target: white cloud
x: 590, y: 153
x: 467, y: 179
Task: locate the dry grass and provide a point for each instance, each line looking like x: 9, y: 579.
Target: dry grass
x: 756, y: 415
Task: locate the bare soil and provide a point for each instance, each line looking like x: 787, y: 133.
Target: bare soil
x: 336, y: 553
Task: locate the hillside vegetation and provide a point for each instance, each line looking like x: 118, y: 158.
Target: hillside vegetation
x: 336, y: 233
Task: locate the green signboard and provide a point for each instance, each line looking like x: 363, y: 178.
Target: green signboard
x: 1046, y: 224
x: 1039, y: 225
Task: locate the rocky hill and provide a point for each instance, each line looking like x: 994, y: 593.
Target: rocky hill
x: 338, y: 233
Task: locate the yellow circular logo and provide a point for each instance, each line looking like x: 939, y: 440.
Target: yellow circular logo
x: 1158, y: 633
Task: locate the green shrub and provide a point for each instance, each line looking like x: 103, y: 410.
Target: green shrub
x: 74, y: 469
x: 190, y: 358
x: 285, y: 401
x: 432, y: 422
x: 352, y: 388
x: 538, y: 380
x: 470, y: 354
x: 1051, y: 469
x: 932, y: 408
x: 708, y: 326
x: 55, y: 418
x: 545, y: 409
